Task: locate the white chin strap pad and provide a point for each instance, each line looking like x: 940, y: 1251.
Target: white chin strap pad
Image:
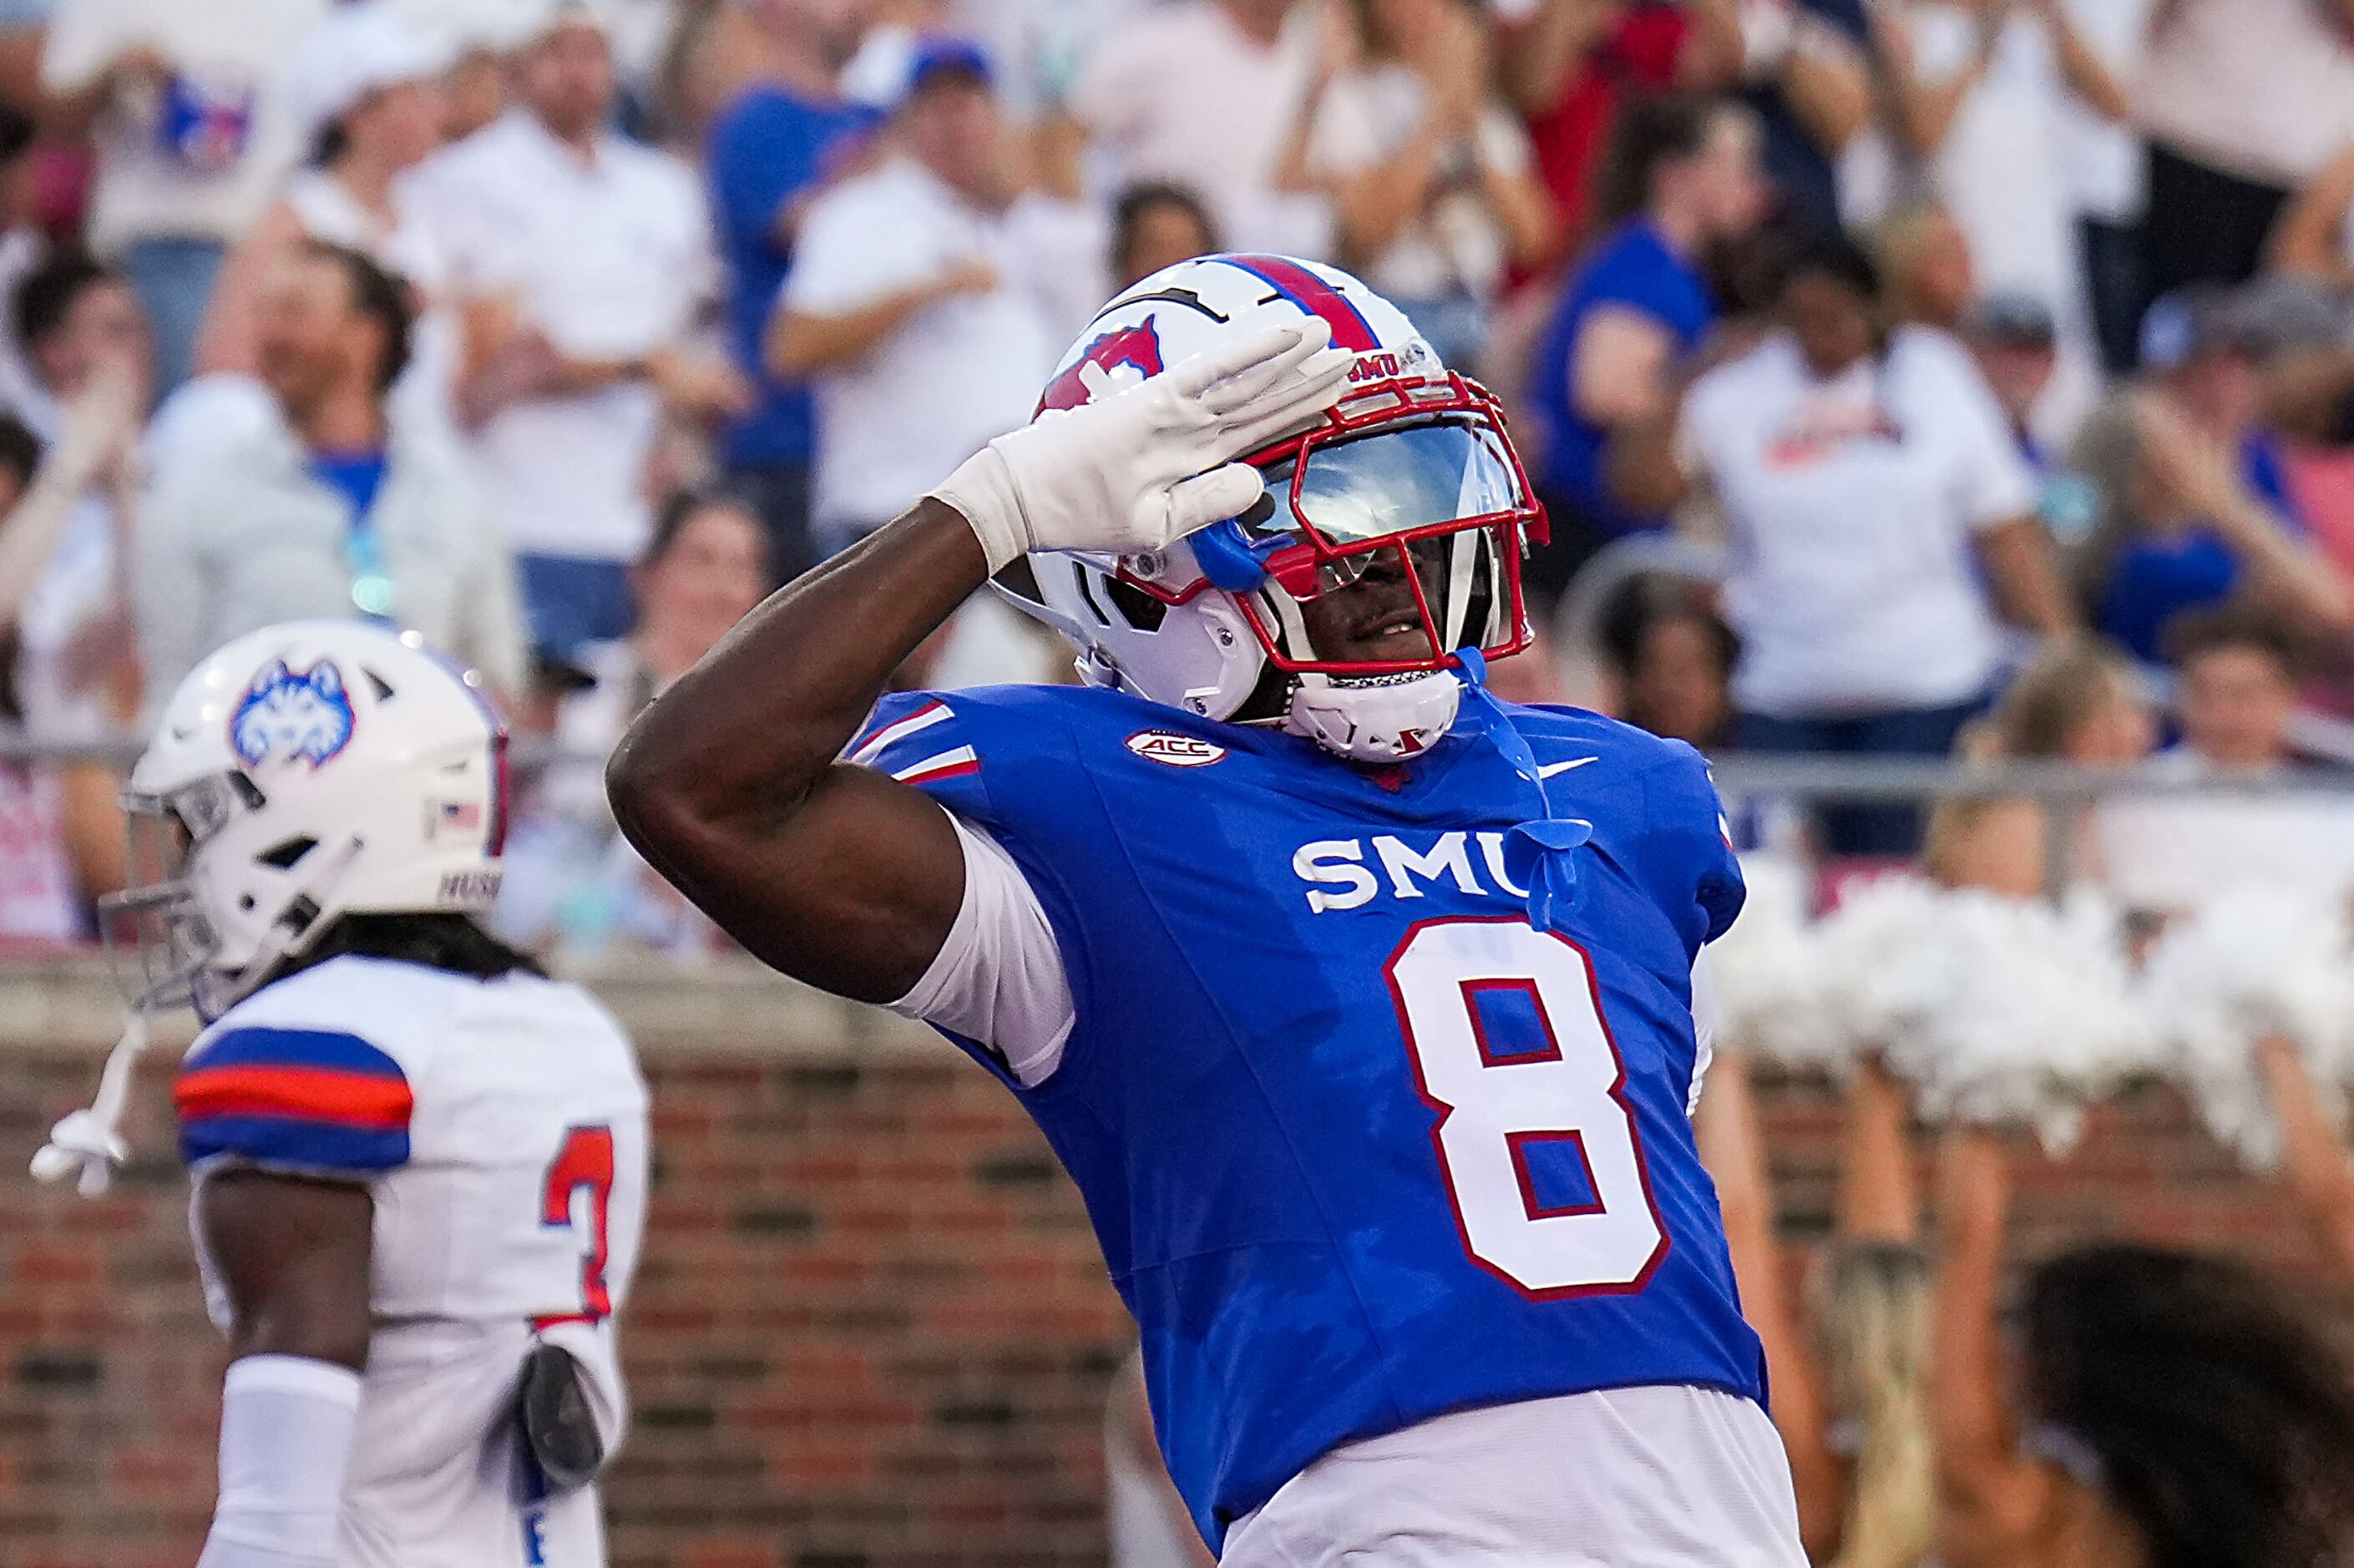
x: 1391, y: 721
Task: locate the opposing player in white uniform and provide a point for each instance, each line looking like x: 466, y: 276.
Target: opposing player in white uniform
x: 419, y: 1166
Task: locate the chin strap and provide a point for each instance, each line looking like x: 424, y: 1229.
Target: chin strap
x: 1538, y: 854
x: 88, y: 1144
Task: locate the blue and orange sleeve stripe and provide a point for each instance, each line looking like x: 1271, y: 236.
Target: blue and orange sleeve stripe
x: 308, y: 1099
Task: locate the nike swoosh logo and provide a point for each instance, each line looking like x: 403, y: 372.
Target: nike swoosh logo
x: 1547, y: 769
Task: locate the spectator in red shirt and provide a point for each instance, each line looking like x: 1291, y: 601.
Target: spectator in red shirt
x: 1569, y: 64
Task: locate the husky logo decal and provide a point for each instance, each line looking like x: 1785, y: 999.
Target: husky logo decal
x: 286, y: 715
x: 1121, y: 357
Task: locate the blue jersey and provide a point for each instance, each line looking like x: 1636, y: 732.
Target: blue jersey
x: 1360, y: 1145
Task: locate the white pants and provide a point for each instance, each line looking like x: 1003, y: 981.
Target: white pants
x: 438, y: 1478
x: 1631, y: 1478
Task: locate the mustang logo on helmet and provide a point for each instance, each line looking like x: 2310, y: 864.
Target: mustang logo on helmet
x: 1121, y: 356
x: 287, y: 715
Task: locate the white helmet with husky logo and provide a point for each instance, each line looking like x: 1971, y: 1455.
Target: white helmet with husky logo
x: 302, y: 773
x: 1414, y: 462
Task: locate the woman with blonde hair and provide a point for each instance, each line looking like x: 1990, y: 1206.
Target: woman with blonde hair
x: 2079, y: 703
x: 1866, y: 1479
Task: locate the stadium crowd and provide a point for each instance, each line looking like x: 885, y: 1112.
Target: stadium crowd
x: 1857, y: 351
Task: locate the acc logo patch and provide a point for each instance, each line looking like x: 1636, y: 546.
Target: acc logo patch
x: 1176, y: 751
x: 287, y: 715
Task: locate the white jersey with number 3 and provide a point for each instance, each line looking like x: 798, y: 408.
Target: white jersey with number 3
x: 501, y: 1127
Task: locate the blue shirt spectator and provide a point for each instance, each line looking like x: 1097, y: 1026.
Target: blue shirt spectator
x: 1633, y: 269
x: 769, y: 152
x: 1682, y: 179
x: 2155, y: 578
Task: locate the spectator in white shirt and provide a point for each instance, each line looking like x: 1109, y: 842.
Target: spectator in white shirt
x: 571, y: 878
x: 331, y: 510
x: 1202, y: 93
x: 61, y: 837
x: 922, y: 301
x: 195, y: 131
x: 2236, y: 675
x: 1866, y: 483
x: 368, y: 82
x: 1982, y: 93
x: 86, y: 343
x: 581, y: 261
x: 2240, y: 101
x: 1432, y: 180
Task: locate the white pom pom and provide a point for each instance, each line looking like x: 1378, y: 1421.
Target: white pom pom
x: 1862, y: 946
x: 1996, y: 1010
x: 2253, y: 963
x: 1769, y: 994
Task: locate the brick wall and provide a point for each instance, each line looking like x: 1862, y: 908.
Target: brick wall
x: 870, y: 1330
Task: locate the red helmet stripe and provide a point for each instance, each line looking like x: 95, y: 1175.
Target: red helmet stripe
x: 1314, y: 294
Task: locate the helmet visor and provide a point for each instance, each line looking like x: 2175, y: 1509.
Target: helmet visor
x: 1399, y: 480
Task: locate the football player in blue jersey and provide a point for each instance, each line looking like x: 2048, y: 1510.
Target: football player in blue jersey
x: 1357, y: 1002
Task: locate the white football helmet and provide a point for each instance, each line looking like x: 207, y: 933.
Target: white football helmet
x: 1414, y: 462
x: 302, y: 773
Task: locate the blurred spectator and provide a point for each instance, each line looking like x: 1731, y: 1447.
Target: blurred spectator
x: 1981, y: 95
x: 571, y: 876
x: 2077, y: 702
x: 2314, y: 237
x: 929, y: 262
x: 1867, y: 482
x: 195, y: 131
x: 768, y: 153
x: 1428, y: 178
x: 64, y: 555
x: 1671, y: 657
x: 39, y: 896
x: 1682, y: 178
x: 2102, y: 44
x: 1806, y: 69
x: 2015, y: 342
x: 86, y: 343
x: 581, y: 260
x: 1202, y: 93
x: 1040, y: 45
x: 23, y: 247
x: 2237, y: 672
x: 1571, y: 65
x: 1925, y: 258
x: 2194, y: 506
x: 368, y: 83
x: 333, y: 510
x: 1155, y: 226
x: 2241, y: 102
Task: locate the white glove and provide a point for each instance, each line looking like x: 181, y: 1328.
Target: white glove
x: 87, y: 1145
x: 1155, y: 461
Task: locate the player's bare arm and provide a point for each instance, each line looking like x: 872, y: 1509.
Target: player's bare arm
x: 293, y: 1254
x: 729, y: 785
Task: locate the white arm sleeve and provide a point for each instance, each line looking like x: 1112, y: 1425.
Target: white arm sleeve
x: 1703, y: 995
x: 285, y: 1440
x: 999, y: 978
